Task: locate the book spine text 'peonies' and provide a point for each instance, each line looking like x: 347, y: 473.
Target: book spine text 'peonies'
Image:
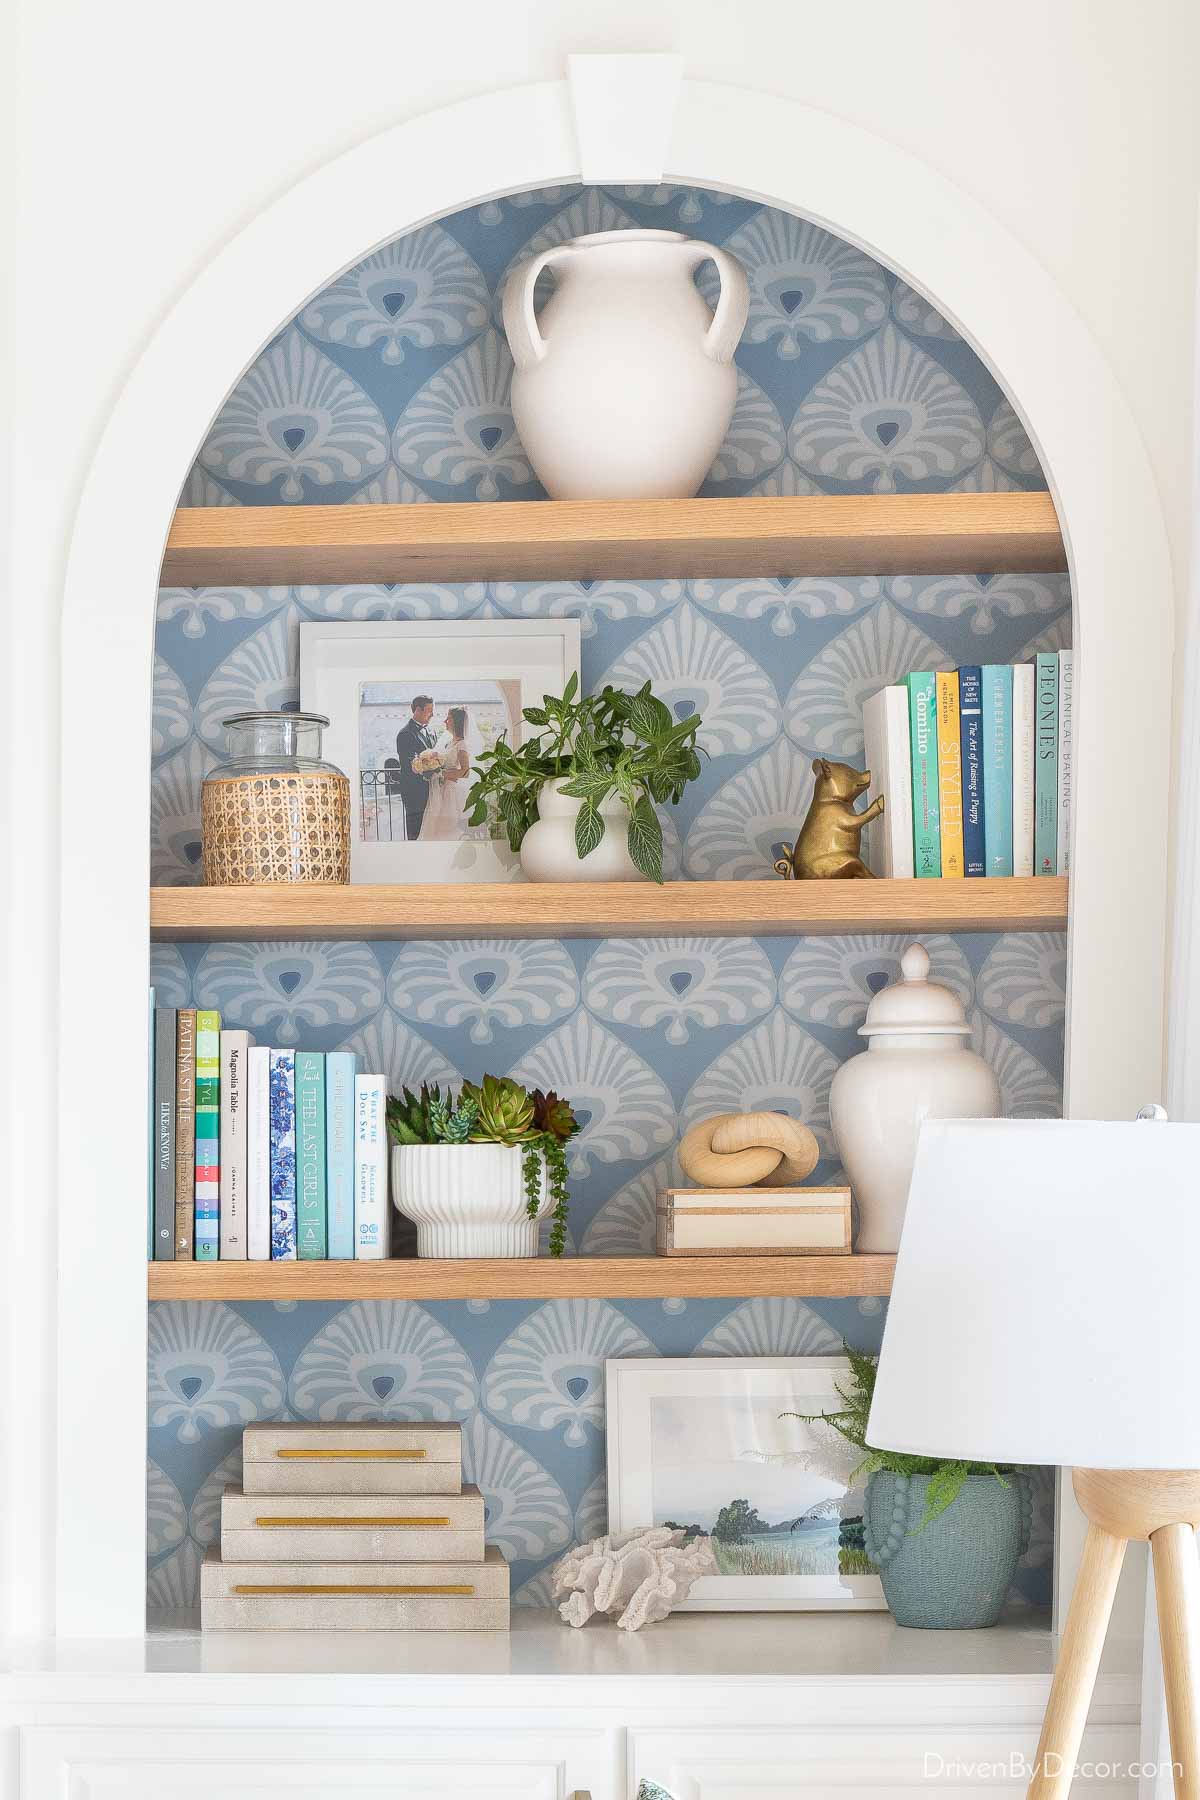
x: 1045, y: 778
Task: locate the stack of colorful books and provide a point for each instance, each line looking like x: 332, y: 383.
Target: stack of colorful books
x: 975, y: 768
x: 259, y: 1153
x: 359, y: 1526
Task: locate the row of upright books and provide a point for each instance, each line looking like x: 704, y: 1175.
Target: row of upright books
x: 261, y: 1153
x: 975, y: 768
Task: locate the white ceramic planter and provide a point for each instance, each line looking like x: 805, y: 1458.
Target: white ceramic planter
x: 548, y: 851
x: 624, y: 388
x: 466, y: 1200
x: 916, y: 1066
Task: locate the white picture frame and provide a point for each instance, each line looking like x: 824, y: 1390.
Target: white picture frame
x: 681, y: 1429
x: 358, y: 675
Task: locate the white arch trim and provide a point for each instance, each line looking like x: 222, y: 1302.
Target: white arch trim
x: 825, y: 168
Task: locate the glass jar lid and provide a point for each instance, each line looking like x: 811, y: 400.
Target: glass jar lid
x: 914, y: 1004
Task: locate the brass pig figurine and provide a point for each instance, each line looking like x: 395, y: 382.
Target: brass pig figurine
x: 827, y: 848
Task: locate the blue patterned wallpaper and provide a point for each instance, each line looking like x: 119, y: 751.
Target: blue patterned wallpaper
x: 392, y: 386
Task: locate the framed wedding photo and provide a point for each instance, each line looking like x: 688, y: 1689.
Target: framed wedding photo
x: 411, y: 705
x: 705, y: 1443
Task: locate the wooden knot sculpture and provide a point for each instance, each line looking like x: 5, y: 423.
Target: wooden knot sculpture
x: 738, y: 1150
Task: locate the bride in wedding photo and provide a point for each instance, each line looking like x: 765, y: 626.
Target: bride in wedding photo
x: 445, y: 814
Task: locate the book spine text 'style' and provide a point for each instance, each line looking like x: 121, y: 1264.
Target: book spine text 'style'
x: 283, y: 1155
x: 310, y: 1156
x: 922, y: 706
x: 949, y: 751
x: 970, y: 714
x: 208, y: 1136
x: 1045, y: 779
x: 235, y: 1051
x: 185, y: 1132
x: 164, y: 1133
x: 997, y: 768
x: 1023, y: 767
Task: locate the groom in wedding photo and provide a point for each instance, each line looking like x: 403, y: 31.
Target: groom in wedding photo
x: 411, y: 739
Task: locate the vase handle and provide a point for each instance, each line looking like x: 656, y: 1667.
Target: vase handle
x: 881, y: 1554
x: 733, y: 302
x: 1025, y: 1495
x: 525, y: 340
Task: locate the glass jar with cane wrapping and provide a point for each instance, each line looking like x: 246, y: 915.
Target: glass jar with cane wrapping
x: 274, y: 812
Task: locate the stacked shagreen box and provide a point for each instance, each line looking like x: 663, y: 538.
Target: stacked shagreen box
x: 353, y: 1527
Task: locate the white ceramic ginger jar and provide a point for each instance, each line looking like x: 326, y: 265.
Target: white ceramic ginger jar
x: 917, y: 1065
x: 548, y: 850
x: 467, y: 1200
x: 624, y: 387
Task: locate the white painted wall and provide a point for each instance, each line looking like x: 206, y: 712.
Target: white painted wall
x: 151, y: 134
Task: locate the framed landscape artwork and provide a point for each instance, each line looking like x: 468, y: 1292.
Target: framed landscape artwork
x: 411, y: 705
x: 703, y: 1443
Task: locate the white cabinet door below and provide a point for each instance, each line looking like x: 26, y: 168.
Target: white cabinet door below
x: 157, y: 1763
x: 870, y: 1763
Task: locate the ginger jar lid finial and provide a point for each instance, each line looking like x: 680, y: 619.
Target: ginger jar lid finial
x: 914, y: 1004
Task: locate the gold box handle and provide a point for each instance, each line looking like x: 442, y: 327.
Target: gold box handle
x: 353, y: 1455
x: 314, y: 1522
x: 351, y: 1588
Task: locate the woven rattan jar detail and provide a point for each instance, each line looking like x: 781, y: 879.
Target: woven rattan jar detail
x: 274, y: 812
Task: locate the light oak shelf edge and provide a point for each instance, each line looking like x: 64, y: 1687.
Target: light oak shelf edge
x: 778, y: 536
x: 540, y: 1278
x: 607, y: 909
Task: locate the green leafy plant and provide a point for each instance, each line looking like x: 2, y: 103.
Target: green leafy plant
x: 946, y: 1479
x: 497, y: 1111
x: 597, y: 745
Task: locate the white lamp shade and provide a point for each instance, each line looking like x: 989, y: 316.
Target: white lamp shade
x: 1045, y: 1303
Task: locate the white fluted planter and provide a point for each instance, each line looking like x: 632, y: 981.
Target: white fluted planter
x: 467, y: 1200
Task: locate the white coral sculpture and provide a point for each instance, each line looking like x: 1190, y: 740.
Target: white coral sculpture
x: 634, y: 1576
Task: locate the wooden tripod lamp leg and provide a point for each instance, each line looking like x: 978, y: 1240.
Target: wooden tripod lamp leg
x: 1078, y: 1660
x: 1177, y: 1589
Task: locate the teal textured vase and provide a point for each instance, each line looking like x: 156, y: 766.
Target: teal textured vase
x: 954, y: 1573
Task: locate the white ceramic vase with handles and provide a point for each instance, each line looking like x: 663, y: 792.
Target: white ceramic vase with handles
x: 917, y: 1065
x: 624, y: 388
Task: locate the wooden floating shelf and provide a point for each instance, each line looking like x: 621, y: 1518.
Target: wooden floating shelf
x: 781, y: 537
x: 540, y: 1278
x: 608, y: 909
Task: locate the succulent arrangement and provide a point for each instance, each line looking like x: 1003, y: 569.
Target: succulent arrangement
x: 497, y: 1111
x: 631, y: 745
x: 946, y: 1479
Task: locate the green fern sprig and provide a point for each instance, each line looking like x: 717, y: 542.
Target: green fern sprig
x: 946, y: 1478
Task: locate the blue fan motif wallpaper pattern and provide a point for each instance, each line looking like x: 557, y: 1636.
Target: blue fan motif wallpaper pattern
x: 392, y: 386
